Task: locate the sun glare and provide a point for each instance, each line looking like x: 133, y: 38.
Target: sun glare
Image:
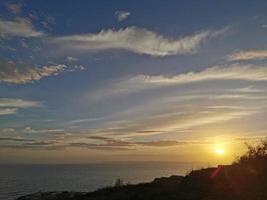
x: 219, y: 151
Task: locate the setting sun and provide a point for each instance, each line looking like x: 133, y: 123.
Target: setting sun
x: 219, y: 151
x: 168, y: 96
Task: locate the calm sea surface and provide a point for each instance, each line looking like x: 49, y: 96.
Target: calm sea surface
x: 18, y: 180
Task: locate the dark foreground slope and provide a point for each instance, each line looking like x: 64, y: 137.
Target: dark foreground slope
x: 243, y: 180
x: 233, y: 182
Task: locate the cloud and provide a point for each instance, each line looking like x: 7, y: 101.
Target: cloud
x: 248, y: 55
x: 40, y: 143
x: 21, y: 73
x: 106, y: 147
x: 10, y: 106
x: 147, y: 82
x: 117, y: 144
x: 8, y: 111
x: 163, y: 143
x: 230, y: 93
x: 134, y: 39
x: 178, y: 111
x: 29, y: 129
x: 7, y: 130
x: 250, y: 138
x: 20, y: 27
x: 71, y: 59
x: 148, y: 131
x: 17, y: 139
x: 121, y: 145
x: 177, y: 123
x: 18, y: 103
x: 122, y: 15
x: 49, y: 22
x: 14, y: 8
x: 30, y: 144
x: 103, y: 138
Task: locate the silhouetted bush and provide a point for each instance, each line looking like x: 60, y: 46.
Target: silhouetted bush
x: 118, y: 183
x: 256, y: 153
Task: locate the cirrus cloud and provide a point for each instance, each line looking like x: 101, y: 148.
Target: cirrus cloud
x: 21, y: 73
x: 10, y: 106
x: 134, y: 39
x: 14, y: 8
x: 122, y: 15
x: 145, y: 82
x: 20, y: 27
x: 10, y: 72
x: 248, y: 55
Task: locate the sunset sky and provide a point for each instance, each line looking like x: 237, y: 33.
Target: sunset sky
x: 97, y: 81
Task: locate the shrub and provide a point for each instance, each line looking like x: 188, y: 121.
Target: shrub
x: 254, y: 153
x: 118, y: 183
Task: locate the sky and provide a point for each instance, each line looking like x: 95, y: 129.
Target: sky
x: 110, y: 81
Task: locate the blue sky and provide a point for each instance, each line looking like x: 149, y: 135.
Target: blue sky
x: 128, y: 80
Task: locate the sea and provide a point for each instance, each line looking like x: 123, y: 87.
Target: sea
x: 19, y: 180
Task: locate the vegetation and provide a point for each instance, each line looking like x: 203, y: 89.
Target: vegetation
x: 246, y: 179
x: 118, y: 183
x: 255, y: 153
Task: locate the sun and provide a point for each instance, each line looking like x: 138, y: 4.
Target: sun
x: 219, y: 151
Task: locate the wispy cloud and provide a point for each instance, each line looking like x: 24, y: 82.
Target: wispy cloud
x: 248, y: 55
x: 145, y: 82
x: 21, y: 73
x: 16, y: 139
x: 20, y: 27
x: 71, y: 59
x: 163, y: 143
x: 29, y: 129
x: 8, y: 111
x: 134, y: 39
x: 178, y: 111
x: 10, y: 106
x: 177, y: 122
x: 249, y: 138
x: 18, y: 103
x: 14, y: 8
x: 122, y: 15
x: 122, y: 145
x: 117, y: 146
x: 108, y: 143
x: 30, y: 144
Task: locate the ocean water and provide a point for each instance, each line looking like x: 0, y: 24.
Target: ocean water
x: 18, y: 180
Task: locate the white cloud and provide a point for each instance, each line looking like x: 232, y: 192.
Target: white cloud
x: 29, y: 129
x: 7, y: 111
x: 21, y: 73
x: 134, y: 39
x: 14, y: 8
x: 184, y: 116
x: 144, y: 82
x: 20, y: 27
x: 18, y: 103
x: 122, y: 15
x: 248, y: 55
x: 71, y: 59
x: 173, y: 109
x: 11, y: 72
x: 10, y: 106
